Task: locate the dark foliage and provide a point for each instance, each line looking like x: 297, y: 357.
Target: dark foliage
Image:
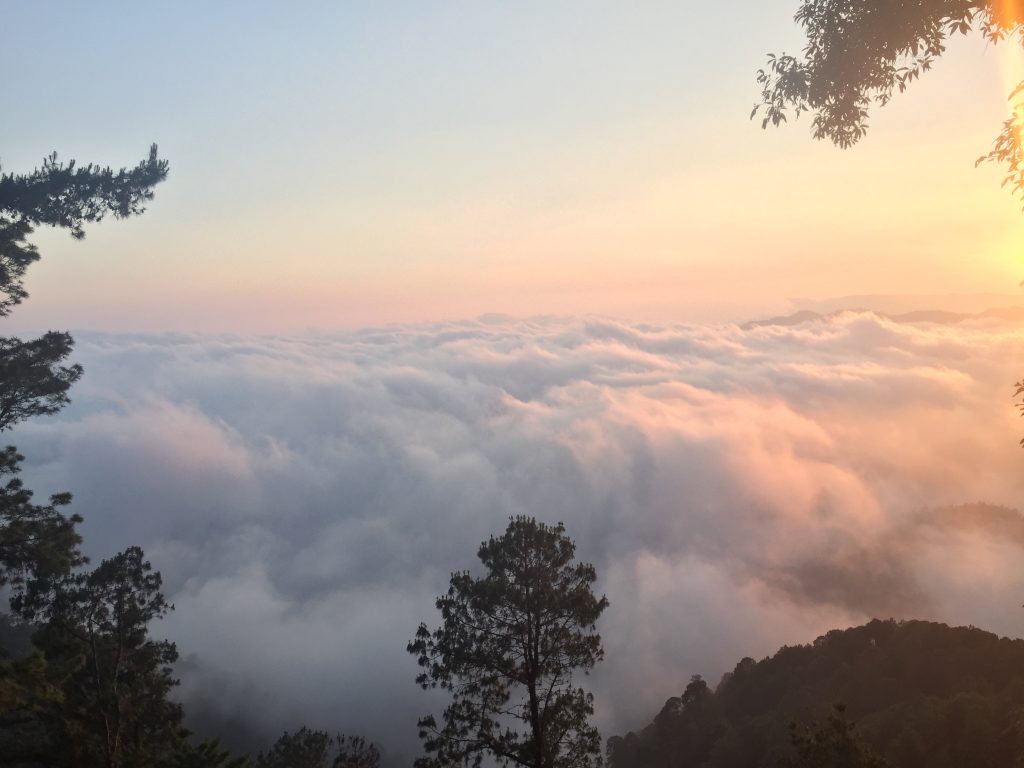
x: 116, y: 709
x: 860, y: 54
x: 205, y: 754
x: 32, y: 380
x: 38, y: 543
x: 93, y: 664
x: 15, y: 637
x: 95, y: 690
x: 306, y: 748
x: 507, y: 649
x: 924, y: 695
x: 68, y: 196
x: 833, y: 744
x: 356, y: 752
x: 31, y: 717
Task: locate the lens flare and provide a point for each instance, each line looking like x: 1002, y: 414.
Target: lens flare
x: 1007, y: 13
x: 1010, y: 57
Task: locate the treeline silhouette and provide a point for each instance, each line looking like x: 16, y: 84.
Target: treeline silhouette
x: 922, y: 694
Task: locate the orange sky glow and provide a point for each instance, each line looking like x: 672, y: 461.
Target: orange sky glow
x: 675, y: 208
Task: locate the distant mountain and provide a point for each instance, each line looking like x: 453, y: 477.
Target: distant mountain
x: 941, y: 316
x: 924, y: 695
x: 901, y: 303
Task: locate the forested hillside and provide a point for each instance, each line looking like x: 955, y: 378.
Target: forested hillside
x: 921, y: 694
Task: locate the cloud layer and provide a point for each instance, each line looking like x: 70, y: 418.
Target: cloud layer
x: 306, y: 498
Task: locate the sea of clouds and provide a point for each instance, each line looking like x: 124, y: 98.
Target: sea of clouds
x: 306, y: 498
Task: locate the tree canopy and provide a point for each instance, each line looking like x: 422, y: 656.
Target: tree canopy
x: 508, y: 646
x: 832, y: 744
x: 94, y: 689
x: 858, y: 55
x: 308, y: 748
x: 39, y: 543
x: 922, y: 695
x: 68, y: 196
x: 117, y: 708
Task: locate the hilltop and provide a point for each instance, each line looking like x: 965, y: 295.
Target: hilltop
x: 921, y: 693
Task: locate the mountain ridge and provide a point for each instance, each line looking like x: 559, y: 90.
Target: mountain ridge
x: 924, y: 695
x: 938, y: 316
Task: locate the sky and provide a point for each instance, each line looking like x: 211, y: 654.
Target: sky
x: 335, y: 165
x: 419, y: 267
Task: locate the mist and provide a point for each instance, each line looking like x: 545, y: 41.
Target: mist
x: 737, y: 488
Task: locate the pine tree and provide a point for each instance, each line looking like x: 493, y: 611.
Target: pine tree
x: 507, y: 649
x: 39, y: 542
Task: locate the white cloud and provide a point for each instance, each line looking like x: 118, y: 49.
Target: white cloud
x: 306, y: 498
